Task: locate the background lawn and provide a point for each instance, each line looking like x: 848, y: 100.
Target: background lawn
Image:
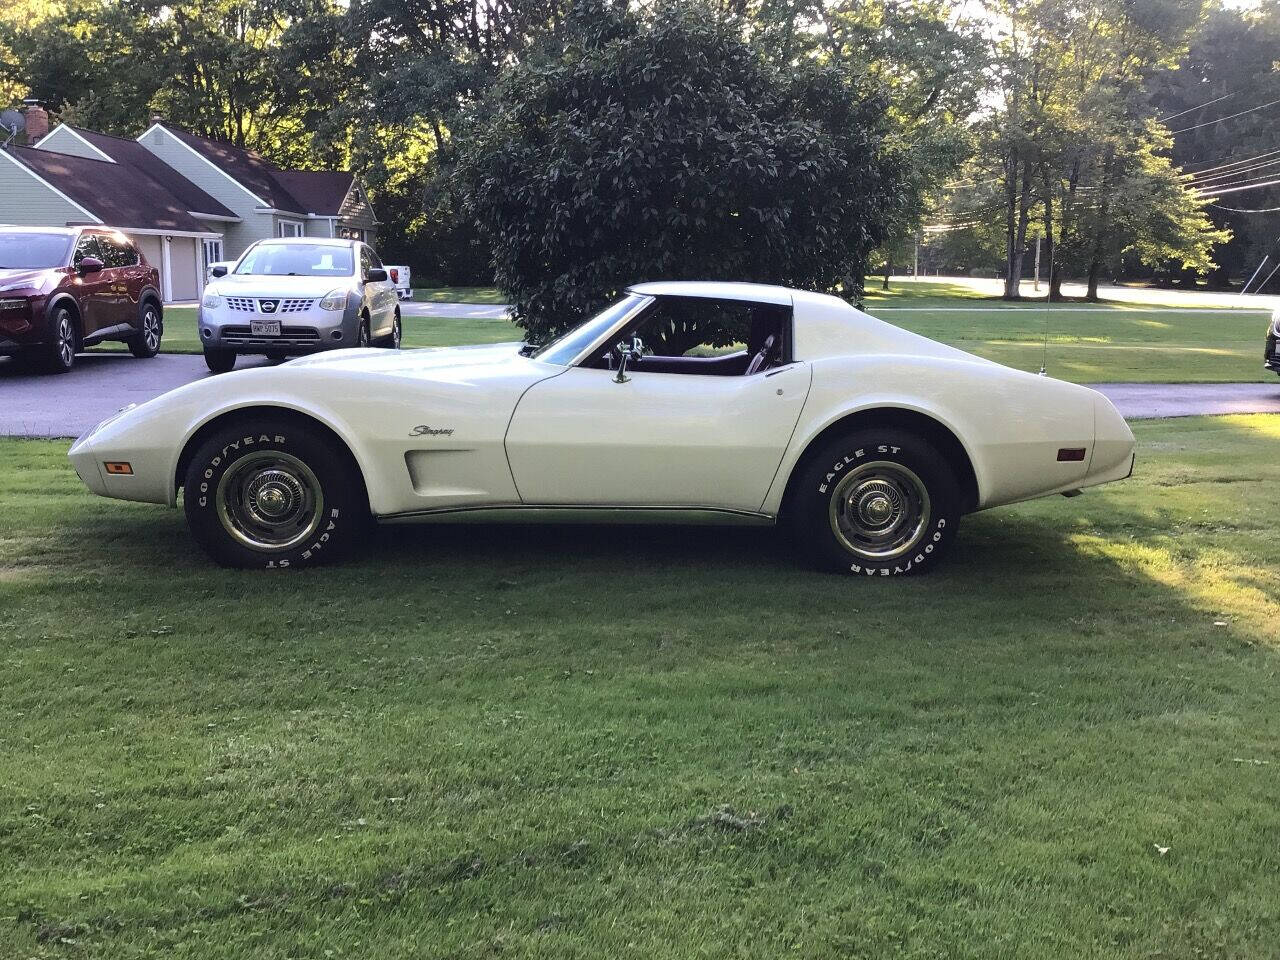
x: 650, y: 744
x: 1152, y: 341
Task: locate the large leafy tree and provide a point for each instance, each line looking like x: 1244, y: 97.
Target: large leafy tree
x: 662, y: 145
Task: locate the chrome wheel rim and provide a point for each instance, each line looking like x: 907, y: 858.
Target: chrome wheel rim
x: 270, y: 501
x: 151, y: 330
x: 66, y: 340
x: 363, y: 336
x: 880, y: 510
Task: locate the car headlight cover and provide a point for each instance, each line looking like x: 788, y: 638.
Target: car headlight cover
x: 211, y: 300
x: 334, y: 300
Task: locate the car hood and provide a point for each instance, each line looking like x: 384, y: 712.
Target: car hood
x: 259, y: 286
x: 424, y: 361
x: 15, y: 278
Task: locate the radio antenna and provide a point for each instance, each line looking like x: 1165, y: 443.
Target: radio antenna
x: 1044, y: 356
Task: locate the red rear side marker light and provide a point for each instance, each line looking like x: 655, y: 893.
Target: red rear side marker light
x: 1070, y: 454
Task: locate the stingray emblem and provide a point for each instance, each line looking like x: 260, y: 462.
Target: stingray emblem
x: 422, y: 430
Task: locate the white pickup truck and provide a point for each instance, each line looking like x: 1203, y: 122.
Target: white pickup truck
x: 400, y: 277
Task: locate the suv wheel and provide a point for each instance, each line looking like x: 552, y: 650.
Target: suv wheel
x: 146, y: 343
x: 60, y: 353
x: 272, y: 494
x: 392, y: 341
x: 219, y: 361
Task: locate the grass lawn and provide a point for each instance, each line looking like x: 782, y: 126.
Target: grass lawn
x: 1087, y: 344
x: 582, y: 743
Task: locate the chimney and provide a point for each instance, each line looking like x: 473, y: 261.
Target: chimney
x: 37, y: 121
x: 156, y: 118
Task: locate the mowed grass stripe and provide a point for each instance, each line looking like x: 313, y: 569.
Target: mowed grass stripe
x: 657, y: 743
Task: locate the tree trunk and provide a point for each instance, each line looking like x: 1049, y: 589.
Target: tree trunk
x: 1094, y: 269
x: 1012, y: 269
x: 1012, y: 290
x: 888, y: 269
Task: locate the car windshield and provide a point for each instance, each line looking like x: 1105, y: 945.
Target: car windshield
x: 296, y: 260
x: 564, y: 348
x: 33, y: 251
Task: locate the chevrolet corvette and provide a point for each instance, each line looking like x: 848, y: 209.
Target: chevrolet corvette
x: 683, y: 402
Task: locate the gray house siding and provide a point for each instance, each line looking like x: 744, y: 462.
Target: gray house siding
x: 236, y: 237
x: 63, y: 140
x: 30, y: 202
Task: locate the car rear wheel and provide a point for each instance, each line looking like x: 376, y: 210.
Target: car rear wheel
x: 147, y: 342
x: 273, y: 494
x: 878, y: 502
x: 219, y: 361
x: 64, y: 340
x: 392, y: 340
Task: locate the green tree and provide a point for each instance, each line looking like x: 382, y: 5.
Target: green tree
x: 662, y: 145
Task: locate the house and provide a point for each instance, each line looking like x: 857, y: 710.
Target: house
x: 188, y: 201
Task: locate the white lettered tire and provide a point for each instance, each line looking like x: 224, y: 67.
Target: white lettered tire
x: 876, y: 503
x: 273, y: 493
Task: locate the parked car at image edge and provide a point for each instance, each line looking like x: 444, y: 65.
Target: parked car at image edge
x: 66, y: 288
x: 291, y: 296
x: 867, y: 441
x: 1271, y: 352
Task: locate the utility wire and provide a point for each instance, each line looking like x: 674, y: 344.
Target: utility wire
x: 1231, y: 173
x: 1233, y: 163
x: 1190, y: 109
x: 1207, y: 123
x: 1212, y: 192
x: 1246, y: 209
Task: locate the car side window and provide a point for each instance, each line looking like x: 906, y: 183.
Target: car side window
x: 86, y: 246
x: 374, y: 258
x: 703, y: 336
x: 115, y: 253
x: 366, y: 263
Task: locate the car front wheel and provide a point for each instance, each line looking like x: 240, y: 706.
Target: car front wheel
x: 146, y: 343
x: 219, y: 361
x: 878, y: 502
x: 273, y: 494
x: 60, y: 354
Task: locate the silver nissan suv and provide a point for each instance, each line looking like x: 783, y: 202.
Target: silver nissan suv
x: 296, y: 295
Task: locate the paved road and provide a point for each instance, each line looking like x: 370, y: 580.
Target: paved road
x: 473, y: 311
x: 37, y: 405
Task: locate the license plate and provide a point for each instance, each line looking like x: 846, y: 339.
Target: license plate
x: 264, y: 328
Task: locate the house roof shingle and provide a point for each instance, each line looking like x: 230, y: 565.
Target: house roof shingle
x: 120, y: 194
x: 134, y: 154
x: 298, y: 191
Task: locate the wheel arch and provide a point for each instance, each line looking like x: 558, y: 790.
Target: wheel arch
x: 902, y: 418
x: 64, y: 299
x: 152, y: 294
x: 248, y: 415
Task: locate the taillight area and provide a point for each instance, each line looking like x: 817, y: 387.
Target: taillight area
x: 1071, y: 454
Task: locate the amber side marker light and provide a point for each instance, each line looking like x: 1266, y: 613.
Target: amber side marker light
x: 118, y: 467
x: 1070, y: 454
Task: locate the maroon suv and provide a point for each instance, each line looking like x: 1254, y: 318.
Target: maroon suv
x: 64, y: 288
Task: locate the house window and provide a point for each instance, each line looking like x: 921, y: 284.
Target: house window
x: 291, y: 228
x: 212, y: 254
x: 351, y: 233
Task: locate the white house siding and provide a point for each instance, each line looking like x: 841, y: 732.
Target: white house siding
x: 29, y: 202
x: 319, y: 228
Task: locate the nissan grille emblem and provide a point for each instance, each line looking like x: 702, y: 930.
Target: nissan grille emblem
x: 268, y: 306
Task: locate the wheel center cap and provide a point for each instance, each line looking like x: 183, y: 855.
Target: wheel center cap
x: 877, y: 508
x: 273, y: 500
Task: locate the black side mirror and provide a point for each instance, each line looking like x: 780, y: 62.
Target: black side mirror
x: 89, y: 265
x: 376, y: 275
x: 219, y: 271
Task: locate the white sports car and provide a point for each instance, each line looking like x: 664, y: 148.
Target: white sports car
x: 682, y: 402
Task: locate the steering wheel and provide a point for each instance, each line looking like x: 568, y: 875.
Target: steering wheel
x: 759, y: 361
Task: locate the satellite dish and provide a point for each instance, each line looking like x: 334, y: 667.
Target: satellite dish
x: 12, y: 123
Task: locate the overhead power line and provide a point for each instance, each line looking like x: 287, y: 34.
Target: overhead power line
x: 1212, y: 192
x: 1207, y: 123
x: 1190, y: 109
x: 1246, y: 209
x: 1232, y: 163
x: 1228, y: 174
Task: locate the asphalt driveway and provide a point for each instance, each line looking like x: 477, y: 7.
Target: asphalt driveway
x: 38, y: 405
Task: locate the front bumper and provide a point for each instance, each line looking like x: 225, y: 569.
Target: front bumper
x: 308, y: 331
